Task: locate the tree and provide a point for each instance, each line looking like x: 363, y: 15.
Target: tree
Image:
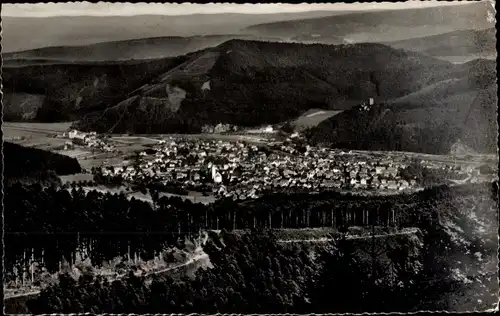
x: 287, y: 128
x: 154, y: 196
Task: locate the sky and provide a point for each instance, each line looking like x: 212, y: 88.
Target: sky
x: 128, y: 9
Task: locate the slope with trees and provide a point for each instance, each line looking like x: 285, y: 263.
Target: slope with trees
x: 430, y: 120
x: 79, y: 219
x: 31, y: 165
x: 458, y: 43
x: 253, y: 273
x: 59, y: 92
x: 253, y: 83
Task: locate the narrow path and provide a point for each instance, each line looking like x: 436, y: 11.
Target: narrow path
x: 195, y: 258
x: 190, y: 261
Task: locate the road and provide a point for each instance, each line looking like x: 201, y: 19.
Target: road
x: 448, y: 159
x: 226, y: 137
x: 408, y: 231
x: 197, y: 257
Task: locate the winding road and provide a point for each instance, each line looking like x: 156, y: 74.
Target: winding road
x: 409, y: 231
x: 197, y: 257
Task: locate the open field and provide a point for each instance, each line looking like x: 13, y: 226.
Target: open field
x: 42, y: 127
x: 465, y: 59
x: 469, y: 159
x: 37, y: 135
x: 312, y: 118
x: 42, y: 136
x: 78, y: 153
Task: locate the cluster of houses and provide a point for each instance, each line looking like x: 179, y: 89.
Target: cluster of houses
x: 241, y: 170
x: 219, y: 128
x: 91, y: 140
x: 227, y: 128
x: 367, y: 107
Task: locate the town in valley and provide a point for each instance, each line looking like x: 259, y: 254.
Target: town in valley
x: 250, y: 159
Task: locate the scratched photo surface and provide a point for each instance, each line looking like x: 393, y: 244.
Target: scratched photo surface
x: 250, y: 158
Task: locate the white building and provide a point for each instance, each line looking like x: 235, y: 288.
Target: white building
x: 268, y: 129
x: 206, y: 86
x: 74, y: 134
x: 217, y: 177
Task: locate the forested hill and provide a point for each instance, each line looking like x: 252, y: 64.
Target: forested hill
x: 252, y: 83
x: 138, y: 49
x: 49, y: 91
x: 457, y: 43
x: 31, y: 165
x: 429, y: 120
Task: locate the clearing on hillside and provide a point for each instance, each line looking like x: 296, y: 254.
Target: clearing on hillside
x: 312, y: 118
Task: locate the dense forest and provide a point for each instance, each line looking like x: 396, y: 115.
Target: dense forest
x: 70, y: 221
x: 32, y: 165
x: 412, y: 127
x: 430, y: 120
x: 252, y: 273
x: 434, y: 104
x: 256, y: 82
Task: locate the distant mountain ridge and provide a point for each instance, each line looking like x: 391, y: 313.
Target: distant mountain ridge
x: 85, y: 38
x: 134, y: 49
x: 383, y: 26
x: 457, y: 43
x: 26, y: 33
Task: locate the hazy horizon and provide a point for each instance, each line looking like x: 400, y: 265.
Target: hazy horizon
x: 175, y: 9
x: 32, y: 26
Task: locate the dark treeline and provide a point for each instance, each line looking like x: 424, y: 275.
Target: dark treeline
x: 69, y: 221
x: 32, y: 165
x: 252, y: 273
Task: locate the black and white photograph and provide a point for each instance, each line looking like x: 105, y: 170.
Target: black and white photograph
x: 272, y: 158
